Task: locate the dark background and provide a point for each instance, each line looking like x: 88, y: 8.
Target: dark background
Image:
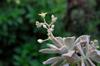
x: 18, y: 32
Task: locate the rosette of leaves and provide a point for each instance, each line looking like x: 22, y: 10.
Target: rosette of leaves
x: 80, y: 51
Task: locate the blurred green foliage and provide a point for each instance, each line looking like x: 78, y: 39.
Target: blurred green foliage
x: 18, y: 33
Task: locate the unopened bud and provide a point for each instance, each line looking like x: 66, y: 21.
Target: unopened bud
x: 40, y: 40
x: 44, y: 26
x: 38, y: 24
x: 52, y: 26
x: 96, y: 41
x: 53, y: 18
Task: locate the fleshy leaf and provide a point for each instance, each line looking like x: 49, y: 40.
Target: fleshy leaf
x: 52, y: 60
x: 71, y: 57
x: 63, y: 50
x: 69, y: 42
x: 49, y: 50
x: 66, y: 65
x: 55, y: 64
x: 58, y: 41
x: 82, y: 62
x: 69, y: 54
x: 52, y: 46
x: 95, y: 56
x: 83, y: 38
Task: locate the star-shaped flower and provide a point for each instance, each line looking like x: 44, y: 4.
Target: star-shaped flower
x: 42, y: 14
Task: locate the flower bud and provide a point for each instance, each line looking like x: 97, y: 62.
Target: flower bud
x: 40, y: 40
x: 44, y: 26
x: 53, y: 18
x: 38, y: 24
x: 52, y: 26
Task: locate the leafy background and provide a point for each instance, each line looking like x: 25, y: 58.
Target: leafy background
x: 18, y: 33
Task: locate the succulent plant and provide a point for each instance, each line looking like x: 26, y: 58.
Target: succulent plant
x: 80, y: 51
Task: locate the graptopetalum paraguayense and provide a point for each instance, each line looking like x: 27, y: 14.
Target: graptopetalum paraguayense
x: 80, y: 51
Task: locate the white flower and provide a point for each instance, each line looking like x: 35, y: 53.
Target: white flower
x: 43, y: 14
